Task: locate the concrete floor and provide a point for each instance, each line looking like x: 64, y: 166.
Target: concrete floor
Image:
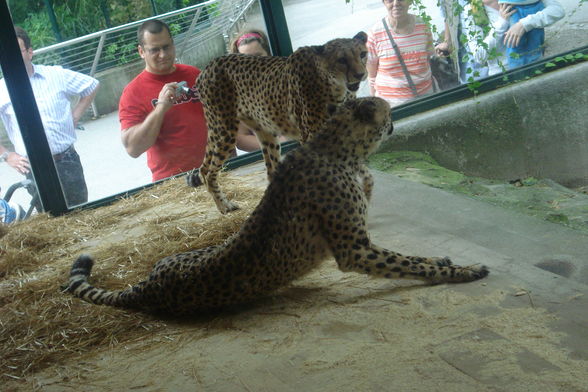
x: 544, y: 264
x: 547, y: 260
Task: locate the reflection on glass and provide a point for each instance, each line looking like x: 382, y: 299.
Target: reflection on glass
x: 53, y: 88
x: 399, y: 47
x: 495, y: 35
x: 480, y: 39
x: 92, y: 161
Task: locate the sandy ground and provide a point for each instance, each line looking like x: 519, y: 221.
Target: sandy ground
x: 335, y: 332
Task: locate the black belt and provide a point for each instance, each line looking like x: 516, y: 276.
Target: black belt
x: 61, y: 155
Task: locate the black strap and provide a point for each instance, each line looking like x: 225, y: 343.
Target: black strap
x: 397, y: 50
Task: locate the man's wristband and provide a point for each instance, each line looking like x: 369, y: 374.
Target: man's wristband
x: 4, y: 156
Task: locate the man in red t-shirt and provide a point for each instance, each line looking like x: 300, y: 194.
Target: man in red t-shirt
x: 153, y: 118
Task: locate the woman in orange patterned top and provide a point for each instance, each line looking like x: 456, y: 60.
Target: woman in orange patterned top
x: 414, y: 41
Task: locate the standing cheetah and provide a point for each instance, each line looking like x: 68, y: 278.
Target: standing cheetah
x: 273, y: 96
x: 315, y: 207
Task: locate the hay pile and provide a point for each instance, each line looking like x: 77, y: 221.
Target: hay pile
x: 41, y: 326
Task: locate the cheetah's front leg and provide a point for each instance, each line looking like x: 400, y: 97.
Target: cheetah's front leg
x: 367, y: 181
x: 364, y: 257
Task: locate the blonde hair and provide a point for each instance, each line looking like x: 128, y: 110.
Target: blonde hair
x: 248, y: 36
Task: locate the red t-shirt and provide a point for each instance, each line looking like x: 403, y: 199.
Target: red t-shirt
x: 182, y: 140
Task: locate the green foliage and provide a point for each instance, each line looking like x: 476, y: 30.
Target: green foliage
x: 78, y: 18
x: 82, y: 17
x: 126, y: 11
x: 120, y: 52
x: 39, y: 29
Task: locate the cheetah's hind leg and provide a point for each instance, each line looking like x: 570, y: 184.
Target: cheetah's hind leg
x: 270, y: 147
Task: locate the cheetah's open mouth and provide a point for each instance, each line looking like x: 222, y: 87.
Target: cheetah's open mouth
x: 353, y: 86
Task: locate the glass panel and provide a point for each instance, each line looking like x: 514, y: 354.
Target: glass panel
x: 477, y: 56
x: 14, y: 197
x: 201, y: 32
x: 518, y: 154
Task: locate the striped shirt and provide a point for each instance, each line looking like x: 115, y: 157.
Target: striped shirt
x: 53, y: 87
x: 390, y: 82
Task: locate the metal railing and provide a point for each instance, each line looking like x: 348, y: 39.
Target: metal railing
x: 117, y: 46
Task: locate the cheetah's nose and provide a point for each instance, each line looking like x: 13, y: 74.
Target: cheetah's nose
x: 359, y: 76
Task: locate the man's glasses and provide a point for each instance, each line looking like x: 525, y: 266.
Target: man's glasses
x: 156, y: 50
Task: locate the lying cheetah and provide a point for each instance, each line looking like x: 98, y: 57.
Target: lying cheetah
x: 273, y: 96
x: 313, y: 208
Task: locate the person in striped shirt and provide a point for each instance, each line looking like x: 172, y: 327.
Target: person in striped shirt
x: 53, y: 87
x: 387, y: 78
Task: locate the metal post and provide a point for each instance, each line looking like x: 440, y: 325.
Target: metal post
x: 29, y: 120
x: 277, y: 28
x: 95, y: 65
x: 53, y: 20
x: 105, y: 12
x: 188, y: 33
x: 153, y: 8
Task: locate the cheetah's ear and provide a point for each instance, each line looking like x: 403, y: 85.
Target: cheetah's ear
x: 361, y: 37
x: 365, y: 111
x: 318, y: 49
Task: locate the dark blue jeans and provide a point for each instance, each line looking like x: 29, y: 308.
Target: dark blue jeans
x: 71, y: 176
x: 532, y: 42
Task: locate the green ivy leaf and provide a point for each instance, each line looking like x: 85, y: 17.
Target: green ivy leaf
x: 550, y: 65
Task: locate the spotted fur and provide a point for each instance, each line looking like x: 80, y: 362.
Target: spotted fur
x: 273, y: 96
x: 315, y: 207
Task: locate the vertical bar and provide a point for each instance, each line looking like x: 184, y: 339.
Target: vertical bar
x: 277, y: 28
x: 106, y: 13
x: 53, y: 20
x: 29, y: 120
x: 95, y: 65
x: 153, y: 8
x: 188, y: 33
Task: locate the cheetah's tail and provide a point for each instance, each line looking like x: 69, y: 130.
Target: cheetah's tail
x: 193, y: 178
x: 78, y: 285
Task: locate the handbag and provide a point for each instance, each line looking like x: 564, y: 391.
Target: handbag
x: 444, y: 72
x: 442, y: 69
x: 400, y: 59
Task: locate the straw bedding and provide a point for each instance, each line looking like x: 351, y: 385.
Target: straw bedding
x: 41, y: 326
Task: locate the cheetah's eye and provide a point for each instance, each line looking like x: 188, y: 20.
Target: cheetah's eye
x: 362, y: 55
x: 342, y: 60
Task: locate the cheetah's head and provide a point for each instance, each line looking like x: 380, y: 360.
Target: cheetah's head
x: 345, y: 59
x: 358, y: 126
